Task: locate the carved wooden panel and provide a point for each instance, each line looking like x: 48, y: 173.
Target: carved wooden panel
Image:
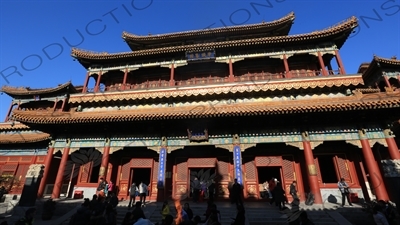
x: 84, y: 174
x: 202, y: 162
x: 155, y: 171
x: 251, y: 190
x: 140, y: 162
x: 288, y: 174
x: 343, y: 169
x: 3, y: 159
x: 125, y: 171
x: 268, y: 161
x: 317, y: 170
x: 40, y: 159
x: 250, y: 171
x: 20, y: 178
x: 26, y: 158
x: 223, y: 170
x: 13, y: 159
x: 182, y: 172
x: 10, y: 167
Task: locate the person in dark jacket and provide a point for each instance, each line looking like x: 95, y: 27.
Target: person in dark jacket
x: 82, y: 215
x: 28, y: 218
x: 293, y: 190
x: 240, y: 216
x: 211, y: 191
x: 237, y: 193
x: 133, y: 190
x: 279, y: 196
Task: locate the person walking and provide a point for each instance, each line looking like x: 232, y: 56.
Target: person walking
x: 196, y: 189
x: 211, y: 191
x: 293, y: 190
x: 237, y: 193
x: 133, y: 190
x: 344, y: 189
x: 143, y: 192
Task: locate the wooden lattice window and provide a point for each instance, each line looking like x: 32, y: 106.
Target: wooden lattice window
x: 332, y: 167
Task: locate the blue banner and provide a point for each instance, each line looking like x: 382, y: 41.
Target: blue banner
x: 161, y: 168
x: 237, y: 155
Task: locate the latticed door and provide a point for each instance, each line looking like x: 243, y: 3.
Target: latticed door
x: 342, y: 168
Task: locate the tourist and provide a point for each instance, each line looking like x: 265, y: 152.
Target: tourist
x: 128, y: 219
x: 110, y: 187
x: 344, y: 189
x: 138, y: 212
x: 82, y: 215
x: 293, y: 190
x: 165, y: 211
x: 279, y: 196
x: 196, y: 189
x: 211, y: 191
x: 101, y: 188
x: 143, y: 192
x: 379, y: 217
x: 188, y: 210
x: 110, y: 216
x: 28, y: 218
x: 237, y: 193
x: 272, y: 185
x: 240, y: 216
x: 113, y: 199
x: 133, y: 192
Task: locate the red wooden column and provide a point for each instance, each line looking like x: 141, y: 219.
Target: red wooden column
x: 339, y: 62
x: 374, y: 173
x: 231, y: 76
x: 47, y: 163
x: 392, y: 146
x: 60, y: 175
x: 63, y: 104
x: 311, y: 169
x: 321, y: 63
x: 286, y: 64
x: 9, y: 111
x: 172, y: 74
x: 125, y: 77
x: 104, y: 160
x: 84, y: 90
x: 387, y: 81
x: 55, y: 104
x: 97, y: 87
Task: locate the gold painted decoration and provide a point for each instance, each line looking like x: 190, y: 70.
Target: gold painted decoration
x: 102, y: 171
x: 312, y: 171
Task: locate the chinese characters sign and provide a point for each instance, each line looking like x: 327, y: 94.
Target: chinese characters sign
x: 201, y: 55
x: 161, y: 168
x: 237, y: 155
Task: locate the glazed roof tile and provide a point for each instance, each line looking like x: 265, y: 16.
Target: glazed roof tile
x: 19, y: 137
x: 355, y: 102
x: 273, y: 85
x: 345, y: 26
x: 13, y: 126
x: 20, y: 91
x: 212, y: 31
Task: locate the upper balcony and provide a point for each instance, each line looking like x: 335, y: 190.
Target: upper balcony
x: 212, y: 80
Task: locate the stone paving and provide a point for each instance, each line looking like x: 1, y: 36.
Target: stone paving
x: 257, y: 213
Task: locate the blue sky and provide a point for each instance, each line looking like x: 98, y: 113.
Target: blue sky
x: 27, y: 27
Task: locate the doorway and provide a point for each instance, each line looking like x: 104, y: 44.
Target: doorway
x: 204, y: 175
x: 138, y: 175
x: 265, y: 174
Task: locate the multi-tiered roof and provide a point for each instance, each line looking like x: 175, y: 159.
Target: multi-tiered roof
x: 272, y: 35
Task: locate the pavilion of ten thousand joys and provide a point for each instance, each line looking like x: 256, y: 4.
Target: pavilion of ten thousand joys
x: 248, y: 102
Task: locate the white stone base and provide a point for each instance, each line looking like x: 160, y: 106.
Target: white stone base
x: 326, y: 192
x: 88, y: 192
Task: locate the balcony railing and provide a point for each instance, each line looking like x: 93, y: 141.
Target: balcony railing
x: 263, y: 76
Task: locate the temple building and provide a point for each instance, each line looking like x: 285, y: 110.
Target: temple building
x: 249, y: 102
